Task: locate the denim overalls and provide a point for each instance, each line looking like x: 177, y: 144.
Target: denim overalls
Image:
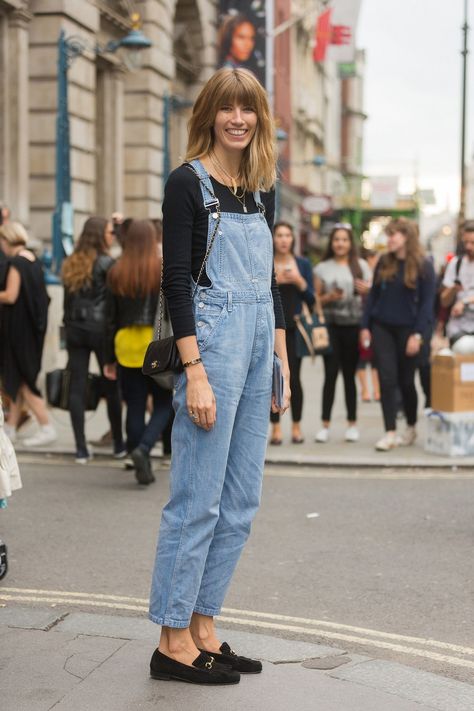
x: 216, y: 476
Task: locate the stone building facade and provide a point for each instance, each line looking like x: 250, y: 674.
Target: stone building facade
x: 116, y: 116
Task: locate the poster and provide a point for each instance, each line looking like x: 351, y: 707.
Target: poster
x: 241, y: 36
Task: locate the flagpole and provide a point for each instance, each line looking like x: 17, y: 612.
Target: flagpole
x: 464, y: 53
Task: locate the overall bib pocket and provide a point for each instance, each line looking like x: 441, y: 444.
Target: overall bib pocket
x: 208, y: 318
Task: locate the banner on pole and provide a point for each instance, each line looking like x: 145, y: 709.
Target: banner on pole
x: 241, y: 36
x: 335, y: 32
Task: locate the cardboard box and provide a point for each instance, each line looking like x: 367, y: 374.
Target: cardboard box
x: 450, y: 434
x: 452, y: 383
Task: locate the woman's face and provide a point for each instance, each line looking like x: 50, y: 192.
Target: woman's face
x: 396, y: 242
x: 243, y: 42
x: 234, y: 126
x: 109, y: 235
x: 341, y: 243
x: 283, y: 240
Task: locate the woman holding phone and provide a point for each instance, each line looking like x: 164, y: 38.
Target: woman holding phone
x: 294, y: 278
x: 341, y: 279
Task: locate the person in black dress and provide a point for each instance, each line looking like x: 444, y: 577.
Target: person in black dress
x: 25, y: 313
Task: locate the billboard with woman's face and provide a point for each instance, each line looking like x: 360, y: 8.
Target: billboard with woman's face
x: 241, y: 36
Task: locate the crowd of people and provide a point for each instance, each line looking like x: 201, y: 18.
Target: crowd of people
x: 380, y: 311
x: 109, y: 311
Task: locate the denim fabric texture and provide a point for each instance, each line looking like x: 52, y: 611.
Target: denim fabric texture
x: 216, y: 476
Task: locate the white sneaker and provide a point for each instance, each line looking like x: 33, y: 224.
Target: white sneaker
x: 352, y: 434
x: 10, y: 432
x: 408, y: 437
x: 323, y: 435
x: 46, y: 435
x: 84, y: 458
x: 388, y: 441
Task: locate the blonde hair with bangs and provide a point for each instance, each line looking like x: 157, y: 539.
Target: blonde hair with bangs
x: 236, y: 86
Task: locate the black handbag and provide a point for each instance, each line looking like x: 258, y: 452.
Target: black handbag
x: 162, y: 360
x: 58, y: 384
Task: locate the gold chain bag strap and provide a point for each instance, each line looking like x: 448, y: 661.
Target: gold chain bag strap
x: 162, y: 359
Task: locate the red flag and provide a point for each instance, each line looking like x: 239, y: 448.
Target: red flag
x: 323, y: 35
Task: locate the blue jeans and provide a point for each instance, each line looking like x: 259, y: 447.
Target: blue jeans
x: 135, y: 390
x: 216, y: 476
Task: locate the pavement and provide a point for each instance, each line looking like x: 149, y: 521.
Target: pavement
x: 336, y: 453
x: 52, y: 659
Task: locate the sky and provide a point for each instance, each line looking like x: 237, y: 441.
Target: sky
x: 413, y: 92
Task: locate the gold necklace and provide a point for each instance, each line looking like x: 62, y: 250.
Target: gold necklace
x: 223, y: 171
x: 241, y: 199
x: 233, y: 189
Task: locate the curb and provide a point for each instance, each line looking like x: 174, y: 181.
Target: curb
x: 286, y: 461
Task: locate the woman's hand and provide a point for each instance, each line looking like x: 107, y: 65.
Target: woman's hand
x: 286, y: 395
x: 291, y: 275
x: 413, y: 345
x: 200, y: 399
x: 334, y: 295
x: 110, y: 371
x: 365, y: 338
x: 362, y: 287
x: 458, y: 309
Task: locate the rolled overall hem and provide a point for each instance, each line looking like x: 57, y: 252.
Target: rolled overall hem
x: 168, y: 622
x: 208, y: 611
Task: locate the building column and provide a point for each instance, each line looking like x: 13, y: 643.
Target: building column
x: 110, y: 139
x: 14, y: 138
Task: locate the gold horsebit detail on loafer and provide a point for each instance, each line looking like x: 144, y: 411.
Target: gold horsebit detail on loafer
x: 209, y: 664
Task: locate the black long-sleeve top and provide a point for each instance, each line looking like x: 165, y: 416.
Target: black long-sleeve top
x: 393, y: 303
x: 185, y: 228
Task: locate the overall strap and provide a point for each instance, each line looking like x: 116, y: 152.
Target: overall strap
x: 211, y: 202
x: 258, y: 202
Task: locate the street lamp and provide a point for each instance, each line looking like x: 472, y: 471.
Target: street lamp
x: 281, y: 137
x: 68, y: 49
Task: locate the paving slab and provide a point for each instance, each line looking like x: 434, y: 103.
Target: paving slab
x: 29, y: 618
x: 37, y: 668
x: 122, y: 683
x: 421, y: 687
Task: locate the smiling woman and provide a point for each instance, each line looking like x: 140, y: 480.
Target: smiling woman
x: 227, y: 320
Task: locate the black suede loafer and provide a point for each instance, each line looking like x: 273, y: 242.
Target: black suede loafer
x: 244, y: 665
x: 205, y: 670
